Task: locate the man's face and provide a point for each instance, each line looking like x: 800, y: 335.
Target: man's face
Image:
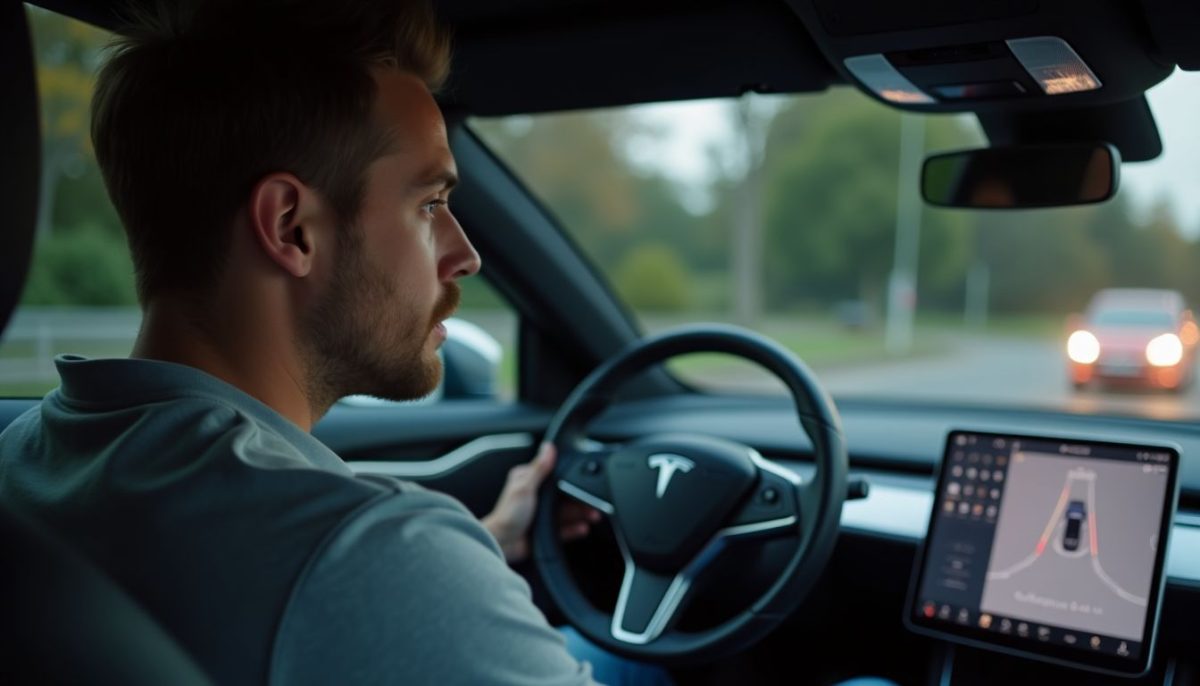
x: 376, y: 328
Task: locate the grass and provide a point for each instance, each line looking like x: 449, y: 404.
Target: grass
x: 822, y: 343
x: 816, y: 338
x: 32, y: 389
x: 26, y: 350
x: 1040, y: 326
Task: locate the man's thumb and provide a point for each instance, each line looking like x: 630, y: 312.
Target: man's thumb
x: 544, y: 462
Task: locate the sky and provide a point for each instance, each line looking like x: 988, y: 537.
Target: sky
x: 685, y: 134
x: 1176, y: 173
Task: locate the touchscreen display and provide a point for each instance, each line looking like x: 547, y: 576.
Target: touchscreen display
x: 1047, y: 547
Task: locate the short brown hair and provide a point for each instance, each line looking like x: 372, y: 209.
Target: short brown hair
x: 199, y: 100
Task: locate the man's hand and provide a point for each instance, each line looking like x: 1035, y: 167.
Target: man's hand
x: 509, y: 520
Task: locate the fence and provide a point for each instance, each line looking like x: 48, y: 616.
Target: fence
x: 36, y: 335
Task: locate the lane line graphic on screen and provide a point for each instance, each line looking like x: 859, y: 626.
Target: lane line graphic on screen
x: 1070, y: 516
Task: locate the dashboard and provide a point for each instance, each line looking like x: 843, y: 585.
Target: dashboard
x: 896, y: 447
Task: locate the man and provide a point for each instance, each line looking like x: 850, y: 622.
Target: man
x: 282, y: 172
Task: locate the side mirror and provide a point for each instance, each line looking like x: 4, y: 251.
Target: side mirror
x: 471, y: 359
x: 470, y: 367
x: 1022, y: 177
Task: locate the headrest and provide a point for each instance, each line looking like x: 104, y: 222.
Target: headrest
x: 21, y: 158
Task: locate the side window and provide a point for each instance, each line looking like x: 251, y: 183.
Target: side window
x: 79, y: 297
x: 480, y: 351
x: 479, y: 354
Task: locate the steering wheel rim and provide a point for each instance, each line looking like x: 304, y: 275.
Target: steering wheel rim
x: 618, y: 481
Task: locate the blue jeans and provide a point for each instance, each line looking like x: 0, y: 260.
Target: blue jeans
x: 611, y: 669
x: 618, y: 671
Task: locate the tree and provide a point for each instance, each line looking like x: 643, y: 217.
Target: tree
x: 830, y: 204
x: 577, y: 165
x: 653, y: 278
x: 68, y: 54
x: 81, y: 267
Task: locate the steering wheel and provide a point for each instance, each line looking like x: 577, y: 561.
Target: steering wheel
x: 675, y: 501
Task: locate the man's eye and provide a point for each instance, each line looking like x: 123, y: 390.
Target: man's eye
x: 432, y: 205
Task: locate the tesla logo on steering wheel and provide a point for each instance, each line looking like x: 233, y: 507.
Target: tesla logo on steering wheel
x: 667, y: 465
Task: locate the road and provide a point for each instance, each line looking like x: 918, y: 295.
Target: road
x: 975, y: 369
x: 1008, y: 371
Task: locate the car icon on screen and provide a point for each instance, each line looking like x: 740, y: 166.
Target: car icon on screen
x: 1076, y: 511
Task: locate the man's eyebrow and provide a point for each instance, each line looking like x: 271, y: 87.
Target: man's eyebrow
x: 437, y: 178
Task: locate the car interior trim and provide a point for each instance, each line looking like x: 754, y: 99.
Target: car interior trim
x: 774, y: 468
x: 585, y: 497
x: 890, y: 511
x: 758, y: 527
x: 443, y: 465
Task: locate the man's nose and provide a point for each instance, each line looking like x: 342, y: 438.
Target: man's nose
x: 460, y: 258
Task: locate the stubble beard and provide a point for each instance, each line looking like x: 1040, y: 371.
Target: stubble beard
x: 366, y: 338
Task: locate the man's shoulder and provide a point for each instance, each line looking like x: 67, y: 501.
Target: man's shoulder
x: 197, y: 423
x: 190, y: 445
x: 21, y: 424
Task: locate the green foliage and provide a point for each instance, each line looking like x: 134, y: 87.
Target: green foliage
x: 829, y: 197
x: 80, y: 258
x: 68, y: 53
x: 82, y: 199
x: 653, y: 278
x: 574, y: 163
x: 83, y: 267
x: 830, y: 204
x: 478, y: 294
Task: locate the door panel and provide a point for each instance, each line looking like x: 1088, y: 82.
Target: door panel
x: 462, y: 448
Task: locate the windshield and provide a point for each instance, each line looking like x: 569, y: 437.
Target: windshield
x: 799, y: 217
x: 1133, y: 318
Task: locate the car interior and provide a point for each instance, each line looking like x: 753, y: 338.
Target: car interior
x: 823, y: 539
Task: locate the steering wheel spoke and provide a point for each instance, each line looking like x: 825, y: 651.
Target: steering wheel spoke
x: 581, y: 475
x: 649, y: 602
x: 772, y: 508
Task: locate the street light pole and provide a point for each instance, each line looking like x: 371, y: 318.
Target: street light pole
x: 747, y: 229
x: 902, y: 283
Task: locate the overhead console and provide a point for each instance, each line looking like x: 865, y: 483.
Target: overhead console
x: 1010, y: 62
x: 958, y: 55
x: 1048, y: 548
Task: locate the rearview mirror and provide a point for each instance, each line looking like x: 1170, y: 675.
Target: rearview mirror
x: 1022, y: 177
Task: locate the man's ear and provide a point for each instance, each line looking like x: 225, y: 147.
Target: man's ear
x: 285, y: 219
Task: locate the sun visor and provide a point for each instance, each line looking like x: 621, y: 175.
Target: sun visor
x: 1127, y: 125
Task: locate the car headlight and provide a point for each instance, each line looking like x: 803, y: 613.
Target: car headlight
x: 1165, y: 350
x: 1083, y: 347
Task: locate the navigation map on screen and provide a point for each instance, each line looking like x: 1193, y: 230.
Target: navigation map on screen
x: 1047, y: 564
